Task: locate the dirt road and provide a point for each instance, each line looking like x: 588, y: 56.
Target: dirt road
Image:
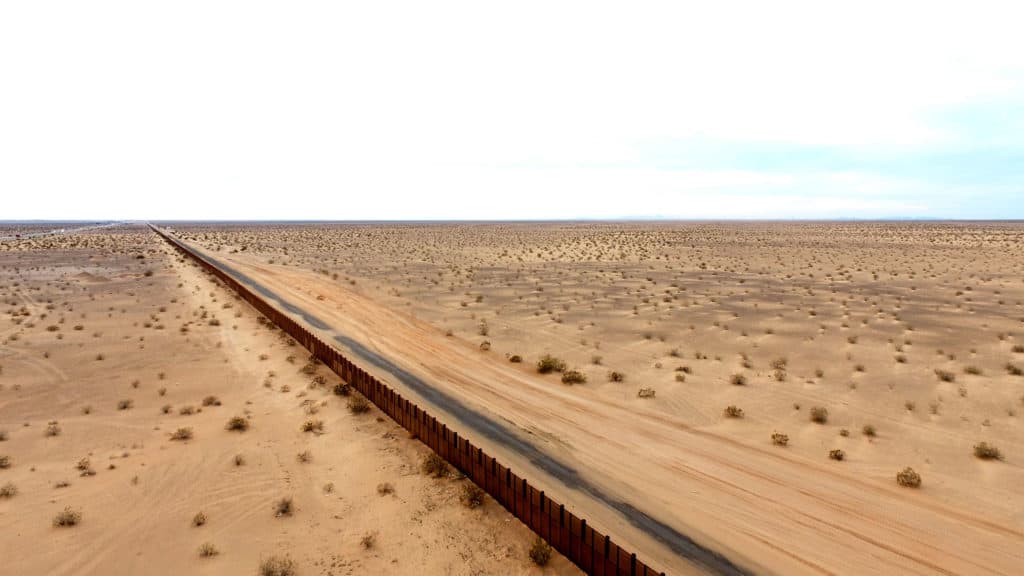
x: 688, y: 500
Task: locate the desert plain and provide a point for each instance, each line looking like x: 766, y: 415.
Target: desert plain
x: 761, y: 398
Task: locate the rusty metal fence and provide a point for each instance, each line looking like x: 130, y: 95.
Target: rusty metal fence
x: 592, y: 551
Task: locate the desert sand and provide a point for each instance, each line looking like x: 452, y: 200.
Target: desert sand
x: 121, y: 368
x: 757, y: 388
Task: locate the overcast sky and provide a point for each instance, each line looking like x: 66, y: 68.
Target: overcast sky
x: 421, y: 110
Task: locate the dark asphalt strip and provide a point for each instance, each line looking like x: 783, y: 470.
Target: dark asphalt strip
x: 676, y: 541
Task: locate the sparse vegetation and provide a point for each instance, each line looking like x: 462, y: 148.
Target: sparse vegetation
x: 472, y: 495
x: 986, y: 451
x: 358, y: 405
x: 434, y: 465
x: 540, y: 552
x: 8, y: 490
x: 237, y: 423
x: 837, y: 454
x: 283, y: 507
x: 277, y: 566
x: 733, y: 412
x: 548, y: 364
x: 573, y: 377
x: 738, y: 380
x: 208, y: 550
x: 907, y: 477
x: 67, y: 517
x: 780, y: 439
x: 182, y: 434
x: 819, y: 414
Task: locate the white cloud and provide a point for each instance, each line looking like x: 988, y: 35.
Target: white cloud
x: 110, y: 106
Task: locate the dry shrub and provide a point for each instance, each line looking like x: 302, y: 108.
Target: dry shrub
x: 8, y: 490
x: 368, y: 540
x: 199, y: 519
x: 986, y: 451
x: 646, y: 393
x: 183, y: 433
x: 573, y: 377
x: 837, y: 454
x: 472, y: 495
x: 614, y: 376
x: 237, y: 423
x: 277, y: 566
x: 738, y: 380
x: 549, y: 363
x: 385, y: 488
x: 342, y: 389
x: 434, y: 465
x: 211, y: 401
x: 733, y: 412
x: 358, y: 405
x: 283, y: 507
x: 67, y: 517
x: 945, y: 375
x: 125, y: 404
x: 819, y: 414
x: 540, y: 552
x: 907, y: 477
x: 869, y: 430
x: 780, y: 439
x: 515, y: 358
x: 187, y: 410
x: 313, y: 425
x: 52, y: 428
x: 208, y: 550
x: 304, y: 457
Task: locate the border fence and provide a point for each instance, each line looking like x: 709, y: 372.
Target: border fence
x: 592, y: 551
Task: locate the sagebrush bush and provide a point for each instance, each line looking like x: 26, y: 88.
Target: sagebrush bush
x: 67, y: 517
x: 8, y: 490
x: 434, y: 465
x: 837, y: 454
x: 738, y: 380
x: 986, y: 451
x: 945, y: 375
x: 313, y: 425
x: 780, y: 439
x: 283, y: 507
x: 549, y: 363
x: 869, y: 430
x: 237, y: 423
x: 342, y: 389
x: 207, y: 550
x: 646, y: 393
x: 472, y: 495
x: 183, y: 433
x: 199, y: 519
x: 573, y: 377
x: 907, y: 477
x: 277, y: 566
x: 125, y: 404
x: 614, y: 376
x: 211, y: 401
x: 358, y: 405
x: 540, y: 552
x: 733, y: 412
x: 819, y: 414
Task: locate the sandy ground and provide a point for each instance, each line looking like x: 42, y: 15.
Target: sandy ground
x: 108, y: 319
x: 907, y: 334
